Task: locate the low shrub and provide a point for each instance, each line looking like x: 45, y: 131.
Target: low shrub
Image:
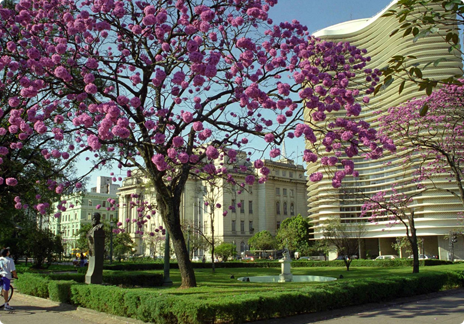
x: 60, y: 290
x: 163, y: 306
x: 193, y: 308
x: 117, y: 278
x: 33, y: 284
x: 276, y: 264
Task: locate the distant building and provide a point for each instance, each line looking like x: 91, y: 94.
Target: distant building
x: 249, y: 210
x: 436, y: 212
x: 79, y: 210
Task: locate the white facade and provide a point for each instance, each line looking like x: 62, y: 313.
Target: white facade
x: 79, y: 210
x: 105, y: 185
x: 436, y: 212
x: 258, y: 207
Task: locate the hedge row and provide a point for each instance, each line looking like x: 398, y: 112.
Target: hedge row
x: 275, y: 264
x: 156, y: 307
x: 39, y: 284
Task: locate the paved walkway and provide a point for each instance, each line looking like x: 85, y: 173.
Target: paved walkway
x: 33, y: 310
x: 443, y: 307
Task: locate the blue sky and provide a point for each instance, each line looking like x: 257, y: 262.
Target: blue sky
x: 316, y: 14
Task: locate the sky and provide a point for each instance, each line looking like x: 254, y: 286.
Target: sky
x: 315, y: 14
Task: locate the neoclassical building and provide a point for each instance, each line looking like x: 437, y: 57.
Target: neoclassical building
x: 249, y: 210
x: 80, y: 208
x: 436, y: 212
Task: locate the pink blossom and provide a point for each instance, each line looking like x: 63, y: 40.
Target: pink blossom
x: 315, y: 177
x: 11, y: 182
x: 212, y: 152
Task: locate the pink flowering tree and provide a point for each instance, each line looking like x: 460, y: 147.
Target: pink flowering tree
x: 431, y: 131
x: 395, y: 207
x: 175, y: 88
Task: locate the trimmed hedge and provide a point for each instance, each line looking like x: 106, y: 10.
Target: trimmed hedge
x: 117, y: 278
x: 275, y: 264
x: 163, y: 307
x: 33, y: 284
x: 60, y: 290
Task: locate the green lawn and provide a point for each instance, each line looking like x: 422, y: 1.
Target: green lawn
x: 211, y: 284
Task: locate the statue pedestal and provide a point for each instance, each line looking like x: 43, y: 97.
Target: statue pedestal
x: 286, y: 275
x: 94, y: 273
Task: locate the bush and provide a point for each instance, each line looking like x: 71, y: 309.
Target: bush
x: 164, y: 307
x: 185, y: 308
x: 60, y: 290
x: 117, y: 278
x: 34, y: 285
x: 276, y: 264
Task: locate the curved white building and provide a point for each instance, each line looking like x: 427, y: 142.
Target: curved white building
x: 436, y: 212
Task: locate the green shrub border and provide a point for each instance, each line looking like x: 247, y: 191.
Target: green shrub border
x: 160, y: 307
x: 276, y: 264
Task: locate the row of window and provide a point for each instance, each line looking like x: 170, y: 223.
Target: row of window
x: 284, y: 209
x: 250, y: 227
x: 103, y: 203
x: 284, y: 192
x: 242, y: 227
x: 241, y: 205
x: 284, y: 173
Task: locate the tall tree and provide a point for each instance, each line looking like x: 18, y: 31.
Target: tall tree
x: 425, y: 18
x: 176, y: 88
x: 395, y: 207
x: 434, y: 143
x: 345, y: 237
x: 294, y: 234
x: 262, y: 241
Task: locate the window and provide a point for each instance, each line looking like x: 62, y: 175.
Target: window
x: 278, y: 191
x: 233, y: 226
x: 250, y: 207
x: 284, y: 191
x: 278, y: 225
x: 242, y: 206
x: 89, y: 216
x: 277, y: 172
x: 278, y: 207
x: 290, y: 174
x: 111, y: 217
x: 90, y: 202
x: 284, y: 173
x: 292, y: 209
x: 291, y: 192
x: 233, y: 205
x: 104, y: 217
x: 242, y: 227
x: 285, y: 208
x: 104, y: 203
x: 250, y: 227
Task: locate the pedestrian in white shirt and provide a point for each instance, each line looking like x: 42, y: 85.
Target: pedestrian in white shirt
x: 8, y: 272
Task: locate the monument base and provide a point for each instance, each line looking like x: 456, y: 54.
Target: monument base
x: 94, y: 273
x: 285, y: 277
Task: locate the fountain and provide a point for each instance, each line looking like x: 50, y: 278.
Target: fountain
x: 286, y: 274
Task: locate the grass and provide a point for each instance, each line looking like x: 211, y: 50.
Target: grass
x: 211, y: 285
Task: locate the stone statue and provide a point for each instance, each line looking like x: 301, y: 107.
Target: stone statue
x: 96, y: 243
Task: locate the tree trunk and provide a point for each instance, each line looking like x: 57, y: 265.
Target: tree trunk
x: 347, y: 264
x: 212, y: 247
x: 413, y: 240
x: 169, y: 208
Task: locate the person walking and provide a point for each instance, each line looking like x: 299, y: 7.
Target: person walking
x: 8, y: 272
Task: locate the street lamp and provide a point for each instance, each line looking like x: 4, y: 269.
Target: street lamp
x: 111, y: 241
x: 188, y: 241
